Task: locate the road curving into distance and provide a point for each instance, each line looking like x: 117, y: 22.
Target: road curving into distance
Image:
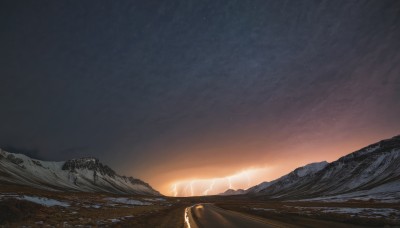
x: 210, y: 216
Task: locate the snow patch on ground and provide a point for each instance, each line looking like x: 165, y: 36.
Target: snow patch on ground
x: 115, y: 220
x: 43, y: 201
x: 367, y: 211
x: 361, y: 212
x: 390, y: 196
x: 96, y: 206
x: 155, y: 199
x: 35, y: 199
x: 127, y: 201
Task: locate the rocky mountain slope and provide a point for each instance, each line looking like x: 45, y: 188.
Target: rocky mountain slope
x: 291, y: 179
x: 84, y: 174
x: 372, y: 172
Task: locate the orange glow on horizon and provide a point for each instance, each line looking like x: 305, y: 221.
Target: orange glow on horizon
x: 213, y: 186
x: 211, y: 172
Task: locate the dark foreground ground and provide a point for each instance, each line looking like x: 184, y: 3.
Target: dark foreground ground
x: 107, y: 210
x: 321, y: 214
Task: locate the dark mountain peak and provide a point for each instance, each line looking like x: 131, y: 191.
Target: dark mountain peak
x: 383, y: 146
x: 89, y: 163
x: 390, y: 143
x: 233, y: 192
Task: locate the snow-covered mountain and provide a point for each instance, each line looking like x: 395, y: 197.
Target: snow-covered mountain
x: 84, y: 174
x: 231, y: 192
x: 290, y: 179
x: 372, y: 172
x: 284, y: 181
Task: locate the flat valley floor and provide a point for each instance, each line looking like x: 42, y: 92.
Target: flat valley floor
x: 22, y: 206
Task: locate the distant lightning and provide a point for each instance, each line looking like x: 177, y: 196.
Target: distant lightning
x: 229, y: 183
x: 175, y: 190
x: 193, y: 187
x: 247, y: 178
x: 185, y: 190
x: 209, y: 188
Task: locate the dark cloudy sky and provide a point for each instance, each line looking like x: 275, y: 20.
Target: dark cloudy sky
x: 163, y: 89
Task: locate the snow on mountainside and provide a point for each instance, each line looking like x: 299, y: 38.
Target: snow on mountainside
x: 259, y: 187
x: 290, y: 179
x: 84, y: 174
x: 372, y: 172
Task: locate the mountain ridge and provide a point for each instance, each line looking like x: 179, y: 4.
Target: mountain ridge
x: 372, y: 172
x: 303, y: 171
x: 231, y: 192
x: 86, y: 174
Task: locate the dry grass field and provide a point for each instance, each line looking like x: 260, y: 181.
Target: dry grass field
x: 23, y: 206
x: 322, y: 214
x: 86, y: 209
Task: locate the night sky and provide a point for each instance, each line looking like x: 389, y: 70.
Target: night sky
x: 174, y: 90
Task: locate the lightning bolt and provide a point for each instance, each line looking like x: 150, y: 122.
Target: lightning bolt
x: 248, y: 179
x: 191, y: 188
x: 209, y: 188
x: 175, y: 190
x: 229, y: 183
x: 186, y: 189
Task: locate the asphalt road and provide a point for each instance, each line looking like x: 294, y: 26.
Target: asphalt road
x: 210, y: 216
